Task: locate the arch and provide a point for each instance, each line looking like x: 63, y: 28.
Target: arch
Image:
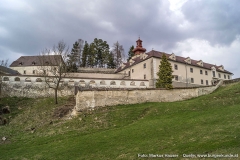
x: 112, y: 83
x: 82, y: 83
x: 49, y: 80
x: 38, y: 80
x: 27, y: 79
x: 123, y: 83
x: 142, y: 84
x: 17, y: 79
x: 102, y: 82
x: 132, y: 83
x: 92, y: 82
x: 71, y: 81
x: 5, y: 79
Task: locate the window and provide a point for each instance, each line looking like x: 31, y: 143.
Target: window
x: 132, y: 70
x: 192, y: 80
x: 5, y: 79
x: 175, y: 67
x: 206, y: 82
x: 201, y: 81
x: 213, y: 72
x: 129, y: 73
x: 33, y: 71
x: 200, y: 71
x: 206, y: 73
x: 144, y: 76
x: 176, y: 78
x: 219, y: 75
x: 228, y: 77
x: 44, y: 71
x: 191, y: 70
x: 17, y: 79
x: 144, y: 65
x: 224, y: 76
x: 24, y: 72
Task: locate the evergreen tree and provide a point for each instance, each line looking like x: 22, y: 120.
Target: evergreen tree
x: 85, y: 55
x: 73, y: 58
x: 100, y: 52
x: 130, y: 52
x: 110, y: 63
x: 91, y: 56
x: 164, y: 74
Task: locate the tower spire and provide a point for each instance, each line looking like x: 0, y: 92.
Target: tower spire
x: 139, y: 49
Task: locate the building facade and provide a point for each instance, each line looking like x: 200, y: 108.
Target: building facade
x: 140, y: 71
x: 186, y: 71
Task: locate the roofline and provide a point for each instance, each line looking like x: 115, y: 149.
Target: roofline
x: 174, y: 61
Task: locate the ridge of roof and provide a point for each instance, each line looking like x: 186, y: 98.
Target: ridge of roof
x: 158, y: 54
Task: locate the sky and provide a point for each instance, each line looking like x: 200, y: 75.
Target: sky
x: 207, y: 30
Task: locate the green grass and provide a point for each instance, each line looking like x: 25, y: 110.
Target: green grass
x: 207, y: 124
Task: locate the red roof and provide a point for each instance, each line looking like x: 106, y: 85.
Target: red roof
x: 179, y: 59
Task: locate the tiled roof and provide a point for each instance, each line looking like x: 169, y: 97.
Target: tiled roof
x: 5, y: 70
x: 179, y: 59
x: 34, y: 60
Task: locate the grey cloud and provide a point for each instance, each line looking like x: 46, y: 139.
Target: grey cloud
x: 217, y: 21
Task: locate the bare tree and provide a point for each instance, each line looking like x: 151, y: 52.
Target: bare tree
x: 3, y: 65
x: 118, y: 52
x: 53, y: 66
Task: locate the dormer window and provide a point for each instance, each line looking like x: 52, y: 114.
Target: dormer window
x: 188, y: 60
x: 20, y: 63
x: 33, y: 63
x: 47, y: 63
x: 200, y: 63
x: 172, y: 56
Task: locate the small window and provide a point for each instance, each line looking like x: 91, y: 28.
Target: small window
x: 206, y: 72
x: 144, y: 76
x: 33, y: 71
x: 129, y: 73
x: 44, y: 71
x: 191, y: 70
x: 17, y: 79
x: 206, y: 82
x: 192, y: 80
x: 201, y: 81
x: 200, y: 71
x: 213, y: 73
x: 219, y: 75
x: 175, y: 66
x: 228, y: 77
x: 5, y: 79
x: 176, y: 78
x: 224, y: 76
x: 24, y: 72
x: 144, y: 65
x: 112, y: 83
x: 132, y: 70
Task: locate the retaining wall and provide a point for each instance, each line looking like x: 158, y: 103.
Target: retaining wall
x: 91, y: 99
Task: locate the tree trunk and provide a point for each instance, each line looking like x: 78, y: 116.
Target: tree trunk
x: 56, y: 101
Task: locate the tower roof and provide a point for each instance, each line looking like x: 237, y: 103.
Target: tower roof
x: 139, y: 49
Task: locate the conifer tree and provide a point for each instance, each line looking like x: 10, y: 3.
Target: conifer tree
x: 85, y: 55
x: 164, y: 74
x: 130, y: 52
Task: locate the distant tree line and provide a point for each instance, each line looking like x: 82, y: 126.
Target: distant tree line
x: 96, y: 54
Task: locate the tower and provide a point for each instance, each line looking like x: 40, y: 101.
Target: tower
x: 139, y: 49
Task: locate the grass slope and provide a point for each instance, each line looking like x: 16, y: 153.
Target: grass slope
x: 207, y: 124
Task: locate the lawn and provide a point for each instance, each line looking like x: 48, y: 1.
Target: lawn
x: 208, y: 124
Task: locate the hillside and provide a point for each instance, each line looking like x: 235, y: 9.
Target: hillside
x: 37, y: 129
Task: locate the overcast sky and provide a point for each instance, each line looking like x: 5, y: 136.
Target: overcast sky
x: 201, y: 29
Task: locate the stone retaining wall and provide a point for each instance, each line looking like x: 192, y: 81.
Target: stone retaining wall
x: 91, y: 99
